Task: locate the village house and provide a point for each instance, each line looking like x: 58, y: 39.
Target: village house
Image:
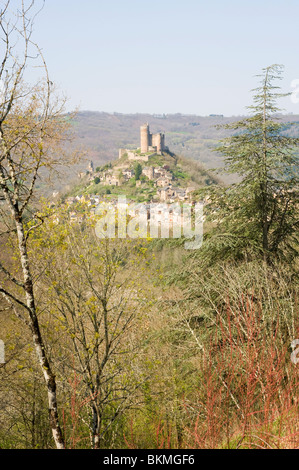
x: 164, y: 193
x: 148, y: 171
x: 179, y: 194
x: 112, y: 180
x: 128, y: 173
x: 172, y: 194
x: 158, y: 172
x: 163, y: 181
x: 162, y: 171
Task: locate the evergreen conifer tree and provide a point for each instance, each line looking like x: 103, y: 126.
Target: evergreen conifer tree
x: 259, y: 213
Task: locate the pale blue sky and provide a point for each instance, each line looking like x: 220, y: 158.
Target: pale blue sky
x: 167, y: 56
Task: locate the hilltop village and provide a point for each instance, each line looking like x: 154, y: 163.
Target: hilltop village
x: 150, y: 166
x: 145, y: 175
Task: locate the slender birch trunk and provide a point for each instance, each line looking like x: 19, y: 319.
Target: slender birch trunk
x: 37, y: 337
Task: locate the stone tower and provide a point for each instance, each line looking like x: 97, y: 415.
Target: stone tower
x: 144, y: 138
x: 158, y: 142
x: 151, y: 142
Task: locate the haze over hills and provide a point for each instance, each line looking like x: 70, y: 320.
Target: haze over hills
x: 147, y: 303
x: 101, y: 134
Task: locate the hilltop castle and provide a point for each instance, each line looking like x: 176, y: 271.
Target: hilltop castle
x: 150, y: 144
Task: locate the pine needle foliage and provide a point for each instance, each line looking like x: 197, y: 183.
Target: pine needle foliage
x: 259, y: 214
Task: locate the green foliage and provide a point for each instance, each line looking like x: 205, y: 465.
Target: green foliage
x: 259, y: 213
x: 179, y: 173
x: 138, y: 171
x: 204, y: 361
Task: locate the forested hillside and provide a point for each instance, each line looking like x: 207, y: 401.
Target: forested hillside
x: 98, y: 137
x: 117, y: 336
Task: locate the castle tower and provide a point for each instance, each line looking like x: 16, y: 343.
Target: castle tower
x: 158, y: 142
x: 144, y: 138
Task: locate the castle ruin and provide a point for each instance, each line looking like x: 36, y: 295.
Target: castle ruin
x: 150, y: 144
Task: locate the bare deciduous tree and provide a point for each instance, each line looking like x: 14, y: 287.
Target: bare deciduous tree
x: 93, y: 294
x: 31, y: 128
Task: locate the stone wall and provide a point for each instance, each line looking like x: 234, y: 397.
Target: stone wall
x: 122, y: 152
x: 135, y: 156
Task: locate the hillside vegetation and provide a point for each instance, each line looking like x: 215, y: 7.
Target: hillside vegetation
x: 139, y: 342
x: 194, y: 137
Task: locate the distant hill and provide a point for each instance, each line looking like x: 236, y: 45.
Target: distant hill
x: 189, y: 135
x: 192, y: 136
x: 101, y: 134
